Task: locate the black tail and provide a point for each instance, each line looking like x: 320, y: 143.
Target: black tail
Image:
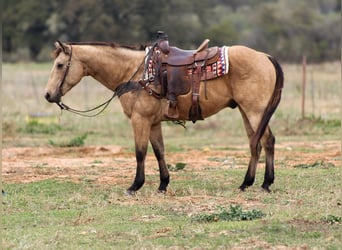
x: 274, y: 100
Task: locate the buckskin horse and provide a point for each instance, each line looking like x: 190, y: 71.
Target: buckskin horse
x: 253, y: 84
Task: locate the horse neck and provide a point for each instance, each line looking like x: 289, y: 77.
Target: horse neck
x: 111, y: 66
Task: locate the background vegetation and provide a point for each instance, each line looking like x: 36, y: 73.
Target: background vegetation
x: 284, y: 28
x: 23, y: 101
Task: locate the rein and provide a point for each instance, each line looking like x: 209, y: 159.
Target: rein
x: 84, y: 112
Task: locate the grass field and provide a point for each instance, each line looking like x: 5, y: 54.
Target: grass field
x: 301, y: 213
x: 74, y: 197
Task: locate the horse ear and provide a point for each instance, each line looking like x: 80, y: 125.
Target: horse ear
x: 60, y: 45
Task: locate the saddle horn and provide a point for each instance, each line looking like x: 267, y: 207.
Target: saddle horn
x: 203, y: 46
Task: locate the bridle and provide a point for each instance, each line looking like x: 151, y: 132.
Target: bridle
x: 68, y: 63
x: 75, y: 111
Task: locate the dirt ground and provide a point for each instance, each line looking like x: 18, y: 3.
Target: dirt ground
x: 114, y: 165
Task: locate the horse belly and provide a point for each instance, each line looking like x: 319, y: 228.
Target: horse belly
x: 214, y: 95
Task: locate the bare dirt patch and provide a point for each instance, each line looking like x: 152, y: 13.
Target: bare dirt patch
x: 114, y: 165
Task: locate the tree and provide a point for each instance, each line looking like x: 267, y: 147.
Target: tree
x: 284, y: 28
x: 24, y: 24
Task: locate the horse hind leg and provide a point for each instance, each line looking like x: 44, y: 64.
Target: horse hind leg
x: 255, y: 148
x: 257, y: 140
x: 268, y: 141
x: 259, y: 129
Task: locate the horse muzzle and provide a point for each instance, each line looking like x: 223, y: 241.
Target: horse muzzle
x: 53, y: 98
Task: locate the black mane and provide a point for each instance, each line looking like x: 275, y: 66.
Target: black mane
x: 110, y: 44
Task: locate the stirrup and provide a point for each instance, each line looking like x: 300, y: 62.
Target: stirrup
x: 171, y: 112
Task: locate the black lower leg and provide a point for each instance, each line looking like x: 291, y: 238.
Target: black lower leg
x: 269, y: 177
x: 164, y: 182
x: 140, y: 172
x: 158, y: 149
x: 248, y: 181
x: 164, y: 175
x: 137, y: 184
x: 269, y: 169
x: 250, y: 175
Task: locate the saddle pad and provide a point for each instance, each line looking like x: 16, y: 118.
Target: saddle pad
x: 221, y: 66
x: 223, y: 62
x: 217, y: 69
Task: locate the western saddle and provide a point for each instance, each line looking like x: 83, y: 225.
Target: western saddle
x: 178, y: 71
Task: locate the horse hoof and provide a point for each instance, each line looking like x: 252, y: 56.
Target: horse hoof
x: 266, y: 188
x: 130, y: 192
x: 242, y: 188
x: 161, y: 191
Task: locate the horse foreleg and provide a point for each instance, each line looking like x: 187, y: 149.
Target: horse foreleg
x: 268, y: 141
x: 142, y: 129
x: 156, y: 139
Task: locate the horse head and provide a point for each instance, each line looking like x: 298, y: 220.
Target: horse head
x: 67, y: 71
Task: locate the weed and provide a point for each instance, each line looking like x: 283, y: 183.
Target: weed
x: 42, y: 165
x: 235, y: 213
x: 317, y: 164
x: 217, y: 159
x: 332, y: 219
x: 177, y: 167
x: 77, y: 141
x: 310, y: 125
x: 8, y: 128
x: 97, y: 162
x: 319, y: 121
x: 35, y: 127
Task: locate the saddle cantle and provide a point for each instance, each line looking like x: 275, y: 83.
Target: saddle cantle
x: 178, y: 71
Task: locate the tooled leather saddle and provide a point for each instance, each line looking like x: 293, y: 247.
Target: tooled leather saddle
x: 178, y: 71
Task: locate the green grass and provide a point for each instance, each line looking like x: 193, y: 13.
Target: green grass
x: 77, y: 141
x: 35, y: 127
x: 303, y: 209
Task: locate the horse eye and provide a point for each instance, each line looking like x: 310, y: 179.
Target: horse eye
x: 59, y: 65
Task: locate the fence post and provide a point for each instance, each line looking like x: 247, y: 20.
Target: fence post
x: 303, y: 85
x: 312, y: 84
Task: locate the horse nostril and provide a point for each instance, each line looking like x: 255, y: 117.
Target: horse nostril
x: 47, y: 96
